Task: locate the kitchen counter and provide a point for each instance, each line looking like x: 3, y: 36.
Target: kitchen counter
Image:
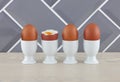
x: 12, y: 70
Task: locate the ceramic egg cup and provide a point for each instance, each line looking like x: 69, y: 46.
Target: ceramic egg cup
x: 70, y: 48
x: 91, y: 49
x: 50, y: 50
x: 29, y: 49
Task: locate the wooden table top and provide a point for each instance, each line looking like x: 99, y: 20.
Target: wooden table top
x: 12, y: 70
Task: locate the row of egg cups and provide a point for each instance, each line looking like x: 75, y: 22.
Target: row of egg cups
x: 70, y: 44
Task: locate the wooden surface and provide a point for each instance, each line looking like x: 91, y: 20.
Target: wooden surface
x: 11, y: 69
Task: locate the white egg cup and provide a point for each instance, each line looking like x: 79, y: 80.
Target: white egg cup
x: 91, y: 49
x: 50, y: 50
x: 29, y: 49
x: 70, y: 48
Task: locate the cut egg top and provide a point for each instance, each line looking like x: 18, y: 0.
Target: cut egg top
x: 49, y: 34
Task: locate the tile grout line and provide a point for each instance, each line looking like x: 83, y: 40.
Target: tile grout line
x: 14, y: 46
x: 12, y: 19
x: 15, y: 23
x: 6, y: 5
x: 60, y: 47
x: 111, y: 43
x: 55, y: 4
x: 109, y: 18
x: 56, y: 14
x: 39, y: 45
x: 92, y: 14
x: 3, y: 10
x: 18, y: 25
x: 52, y: 8
x: 113, y: 24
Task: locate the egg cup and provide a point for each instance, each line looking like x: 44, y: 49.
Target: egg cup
x: 91, y: 49
x: 50, y: 50
x: 70, y: 48
x: 29, y: 49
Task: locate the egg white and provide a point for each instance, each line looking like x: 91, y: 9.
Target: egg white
x: 50, y: 30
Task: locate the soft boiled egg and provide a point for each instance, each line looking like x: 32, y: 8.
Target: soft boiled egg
x: 70, y: 33
x: 92, y: 32
x: 49, y: 34
x: 29, y: 33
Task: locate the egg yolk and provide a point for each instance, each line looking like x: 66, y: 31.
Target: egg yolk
x: 48, y: 33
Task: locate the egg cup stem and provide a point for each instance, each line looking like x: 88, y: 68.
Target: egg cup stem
x: 91, y: 49
x: 70, y: 48
x: 70, y: 60
x: 28, y: 60
x: 91, y: 60
x: 50, y: 50
x: 29, y: 49
x: 50, y: 60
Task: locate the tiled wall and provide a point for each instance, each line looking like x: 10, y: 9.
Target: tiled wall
x: 55, y: 14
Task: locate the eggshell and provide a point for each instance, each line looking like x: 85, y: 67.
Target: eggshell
x: 29, y: 33
x: 50, y: 36
x: 92, y: 32
x: 70, y: 33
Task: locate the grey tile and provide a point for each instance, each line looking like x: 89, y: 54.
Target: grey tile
x: 108, y: 31
x: 115, y: 47
x: 3, y: 3
x: 112, y: 10
x: 38, y: 15
x: 9, y: 32
x: 50, y: 2
x: 17, y: 48
x: 77, y: 11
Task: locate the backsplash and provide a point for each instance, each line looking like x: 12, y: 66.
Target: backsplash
x: 55, y: 14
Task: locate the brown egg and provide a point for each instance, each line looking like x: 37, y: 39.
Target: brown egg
x: 49, y: 35
x: 70, y: 33
x: 92, y: 32
x: 29, y: 33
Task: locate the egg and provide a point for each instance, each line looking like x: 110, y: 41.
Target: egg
x: 70, y: 33
x: 49, y: 34
x: 29, y: 33
x: 92, y: 32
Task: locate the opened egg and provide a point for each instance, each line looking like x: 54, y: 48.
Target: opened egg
x: 49, y: 35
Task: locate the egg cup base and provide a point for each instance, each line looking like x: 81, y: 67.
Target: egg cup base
x: 91, y: 60
x: 28, y: 61
x: 70, y: 60
x: 50, y: 60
